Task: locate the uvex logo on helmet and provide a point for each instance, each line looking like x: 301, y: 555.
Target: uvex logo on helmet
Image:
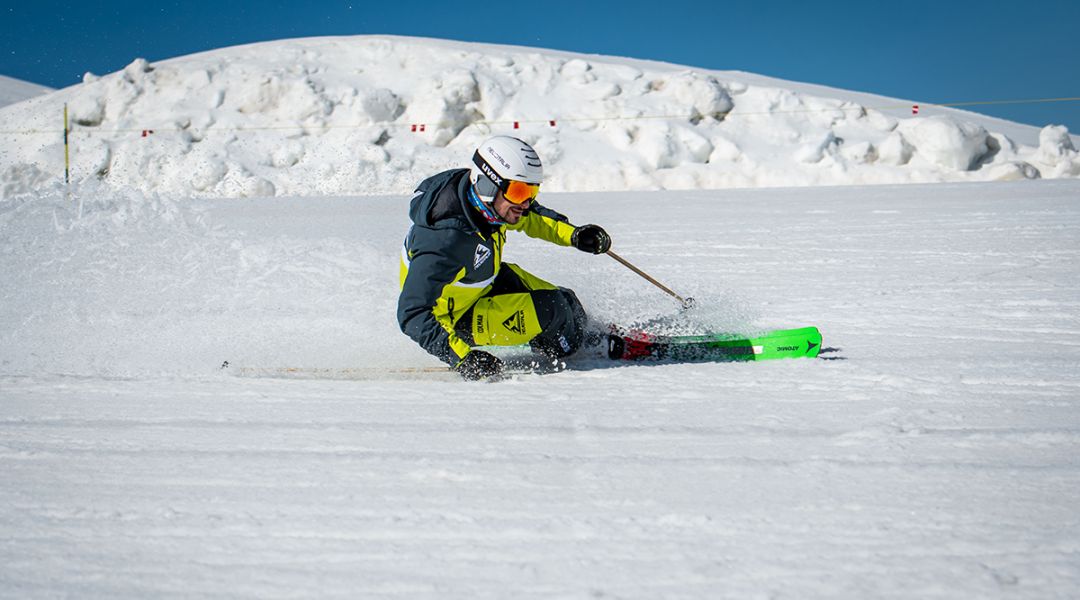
x: 491, y: 174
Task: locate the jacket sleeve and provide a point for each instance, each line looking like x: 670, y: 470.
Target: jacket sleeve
x: 545, y: 224
x: 428, y: 274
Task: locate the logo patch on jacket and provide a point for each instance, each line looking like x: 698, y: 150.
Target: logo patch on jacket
x: 516, y: 322
x: 482, y: 254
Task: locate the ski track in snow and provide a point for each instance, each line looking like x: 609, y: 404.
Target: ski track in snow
x: 939, y: 459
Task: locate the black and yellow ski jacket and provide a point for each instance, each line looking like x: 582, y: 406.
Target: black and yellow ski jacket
x: 451, y: 257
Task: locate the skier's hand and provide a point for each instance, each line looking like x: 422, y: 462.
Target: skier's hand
x: 479, y: 365
x: 591, y: 238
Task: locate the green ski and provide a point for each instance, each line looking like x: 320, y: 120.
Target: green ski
x: 786, y: 343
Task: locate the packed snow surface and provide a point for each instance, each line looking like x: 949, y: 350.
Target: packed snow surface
x: 937, y: 457
x: 365, y: 114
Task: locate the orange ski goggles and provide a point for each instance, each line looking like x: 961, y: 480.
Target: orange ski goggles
x: 520, y: 192
x: 517, y: 192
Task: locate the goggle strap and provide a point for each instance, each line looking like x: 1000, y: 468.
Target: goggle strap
x: 485, y: 210
x: 486, y: 187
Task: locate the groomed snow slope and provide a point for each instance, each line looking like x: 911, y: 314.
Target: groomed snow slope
x: 939, y: 459
x: 336, y: 116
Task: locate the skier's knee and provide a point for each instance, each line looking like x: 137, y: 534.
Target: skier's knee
x: 562, y: 320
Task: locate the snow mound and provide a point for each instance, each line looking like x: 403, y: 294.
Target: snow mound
x: 373, y: 114
x: 1057, y: 152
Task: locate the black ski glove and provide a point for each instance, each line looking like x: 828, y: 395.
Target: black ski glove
x: 479, y: 365
x: 591, y: 238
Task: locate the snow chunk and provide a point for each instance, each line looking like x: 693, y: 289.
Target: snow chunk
x: 137, y: 70
x: 696, y: 147
x: 287, y: 154
x: 87, y: 108
x: 284, y: 98
x: 238, y: 181
x: 371, y: 153
x: 95, y: 156
x: 859, y: 153
x: 1055, y: 143
x: 704, y: 94
x: 446, y: 105
x: 205, y: 171
x: 1056, y: 151
x: 816, y: 151
x: 1012, y: 171
x: 724, y: 150
x: 948, y: 143
x: 880, y: 120
x: 895, y: 150
x: 577, y: 71
x: 382, y: 105
x: 664, y: 146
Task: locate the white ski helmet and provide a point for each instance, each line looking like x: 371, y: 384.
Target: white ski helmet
x: 500, y: 160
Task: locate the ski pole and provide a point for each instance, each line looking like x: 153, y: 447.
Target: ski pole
x: 686, y: 302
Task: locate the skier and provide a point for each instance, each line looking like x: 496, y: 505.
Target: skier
x: 456, y: 293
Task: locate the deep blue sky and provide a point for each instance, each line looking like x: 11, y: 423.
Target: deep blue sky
x: 932, y: 52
